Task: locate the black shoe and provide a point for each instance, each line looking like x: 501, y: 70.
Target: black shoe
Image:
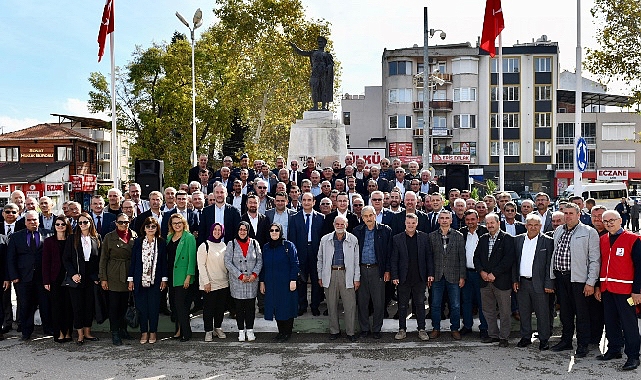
x: 184, y: 339
x: 284, y: 338
x: 377, y: 335
x: 609, y: 355
x: 483, y: 334
x: 278, y: 337
x: 80, y: 342
x: 503, y: 343
x: 334, y: 336
x: 301, y: 312
x: 562, y: 346
x: 195, y: 310
x: 364, y: 334
x: 326, y: 313
x: 581, y: 352
x: 58, y: 340
x: 544, y: 345
x: 92, y: 339
x: 165, y: 311
x: 67, y: 340
x: 524, y: 342
x: 351, y: 338
x: 315, y: 312
x: 630, y: 365
x: 115, y: 339
x: 464, y: 331
x: 19, y: 329
x: 487, y: 339
x: 25, y: 338
x: 124, y: 334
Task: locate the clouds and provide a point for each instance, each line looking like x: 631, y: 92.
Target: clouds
x: 9, y: 124
x: 77, y: 107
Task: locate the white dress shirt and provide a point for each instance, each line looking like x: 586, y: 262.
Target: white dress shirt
x: 527, y: 256
x: 470, y: 246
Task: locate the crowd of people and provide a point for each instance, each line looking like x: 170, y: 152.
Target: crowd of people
x: 240, y: 239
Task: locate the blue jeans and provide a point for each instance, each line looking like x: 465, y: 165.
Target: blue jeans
x: 472, y: 293
x: 453, y: 291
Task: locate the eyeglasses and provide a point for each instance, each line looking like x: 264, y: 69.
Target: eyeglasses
x: 151, y: 226
x: 325, y: 204
x: 506, y: 210
x: 377, y: 199
x: 83, y: 222
x: 609, y: 221
x: 122, y: 222
x: 176, y: 223
x: 274, y: 230
x: 61, y: 225
x: 358, y: 205
x: 262, y: 187
x: 32, y: 220
x: 10, y: 212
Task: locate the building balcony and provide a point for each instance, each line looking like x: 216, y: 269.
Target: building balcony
x: 435, y: 105
x: 418, y: 79
x: 104, y: 176
x: 570, y: 166
x: 570, y: 140
x: 104, y: 156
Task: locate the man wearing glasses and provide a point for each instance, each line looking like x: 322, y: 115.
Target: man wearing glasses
x: 575, y: 269
x: 326, y: 190
x: 265, y: 202
x: 620, y: 290
x: 510, y: 225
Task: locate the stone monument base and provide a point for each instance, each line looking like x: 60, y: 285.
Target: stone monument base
x: 318, y: 135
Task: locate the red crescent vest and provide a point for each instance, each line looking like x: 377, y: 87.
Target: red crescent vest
x: 617, y: 268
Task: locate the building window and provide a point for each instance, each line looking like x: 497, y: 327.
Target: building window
x: 64, y: 153
x: 618, y: 158
x: 510, y: 120
x: 400, y: 68
x: 439, y: 122
x: 439, y: 95
x: 618, y: 131
x: 542, y: 119
x: 510, y: 148
x: 400, y: 95
x: 82, y: 153
x: 542, y: 92
x: 510, y: 65
x: 400, y: 122
x: 465, y: 65
x: 419, y: 68
x: 510, y: 93
x: 543, y: 148
x: 420, y: 122
x: 464, y: 148
x: 346, y: 118
x: 11, y: 154
x: 464, y: 121
x: 441, y: 67
x: 465, y: 94
x: 542, y: 65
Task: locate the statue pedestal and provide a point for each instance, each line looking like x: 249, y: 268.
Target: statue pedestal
x: 317, y: 135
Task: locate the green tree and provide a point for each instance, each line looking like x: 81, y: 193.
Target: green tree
x: 247, y: 80
x: 619, y: 37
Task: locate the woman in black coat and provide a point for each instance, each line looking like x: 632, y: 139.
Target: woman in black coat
x: 81, y: 260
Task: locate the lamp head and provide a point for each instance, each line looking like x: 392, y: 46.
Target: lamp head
x: 182, y: 19
x: 198, y: 18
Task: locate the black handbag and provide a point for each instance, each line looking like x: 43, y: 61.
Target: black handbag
x: 132, y: 315
x: 68, y: 282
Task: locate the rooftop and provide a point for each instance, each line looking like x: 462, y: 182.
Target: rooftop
x: 18, y: 172
x: 46, y: 132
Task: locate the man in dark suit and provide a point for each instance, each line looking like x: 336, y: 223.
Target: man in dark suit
x: 305, y: 232
x: 202, y: 165
x: 3, y: 274
x: 280, y: 213
x: 532, y: 282
x: 383, y: 184
x: 155, y: 202
x: 436, y: 200
x: 181, y: 208
x: 412, y: 269
x: 493, y: 259
x: 542, y: 201
x: 398, y: 221
x: 510, y: 225
x: 24, y: 267
x: 226, y: 178
x: 295, y: 175
x: 8, y: 226
x: 236, y: 197
x: 220, y: 212
x: 375, y: 246
x: 342, y: 204
x: 105, y: 222
x: 326, y: 191
x: 258, y: 223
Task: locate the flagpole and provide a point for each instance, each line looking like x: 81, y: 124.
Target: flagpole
x: 500, y: 121
x: 115, y: 158
x: 578, y: 109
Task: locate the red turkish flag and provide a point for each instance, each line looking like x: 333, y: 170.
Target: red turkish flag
x: 492, y: 25
x: 106, y: 27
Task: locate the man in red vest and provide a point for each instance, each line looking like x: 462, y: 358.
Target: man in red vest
x: 620, y: 290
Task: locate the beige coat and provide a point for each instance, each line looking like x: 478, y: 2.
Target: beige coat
x: 211, y: 265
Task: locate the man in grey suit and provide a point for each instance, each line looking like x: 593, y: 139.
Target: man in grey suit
x: 450, y: 270
x: 542, y: 203
x: 340, y: 274
x: 575, y: 268
x: 532, y: 282
x: 280, y: 213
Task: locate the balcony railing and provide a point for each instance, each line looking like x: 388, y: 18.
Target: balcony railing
x: 104, y: 156
x: 570, y: 166
x: 418, y: 78
x: 435, y: 105
x: 104, y: 176
x: 570, y: 140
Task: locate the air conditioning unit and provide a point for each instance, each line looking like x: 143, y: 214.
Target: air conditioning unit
x: 68, y: 187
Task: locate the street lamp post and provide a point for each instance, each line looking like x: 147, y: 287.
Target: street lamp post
x: 198, y: 21
x: 427, y: 33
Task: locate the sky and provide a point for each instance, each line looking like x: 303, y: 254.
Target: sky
x: 48, y: 48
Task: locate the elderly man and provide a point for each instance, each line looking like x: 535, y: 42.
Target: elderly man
x: 265, y: 202
x: 140, y: 205
x: 532, y: 282
x: 527, y: 206
x: 46, y: 216
x: 24, y: 268
x: 620, y: 289
x: 493, y: 259
x: 375, y: 246
x: 74, y: 212
x: 412, y: 268
x: 128, y: 209
x: 114, y: 197
x: 202, y: 165
x: 339, y: 273
x: 18, y: 198
x: 104, y: 222
x: 448, y: 248
x: 575, y: 267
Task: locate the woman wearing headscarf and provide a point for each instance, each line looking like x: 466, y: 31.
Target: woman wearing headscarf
x: 244, y: 261
x: 81, y: 261
x: 278, y: 282
x: 181, y: 256
x: 214, y: 281
x: 115, y: 258
x: 53, y: 273
x: 148, y: 277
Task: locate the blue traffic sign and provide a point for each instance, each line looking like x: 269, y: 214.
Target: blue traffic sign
x: 581, y: 154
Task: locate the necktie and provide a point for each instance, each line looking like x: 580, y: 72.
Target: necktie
x: 9, y: 230
x: 99, y: 224
x: 32, y: 241
x: 307, y: 224
x: 138, y: 210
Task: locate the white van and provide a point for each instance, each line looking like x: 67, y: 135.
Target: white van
x: 607, y: 194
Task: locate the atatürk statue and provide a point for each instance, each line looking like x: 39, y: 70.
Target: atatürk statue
x: 321, y: 80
